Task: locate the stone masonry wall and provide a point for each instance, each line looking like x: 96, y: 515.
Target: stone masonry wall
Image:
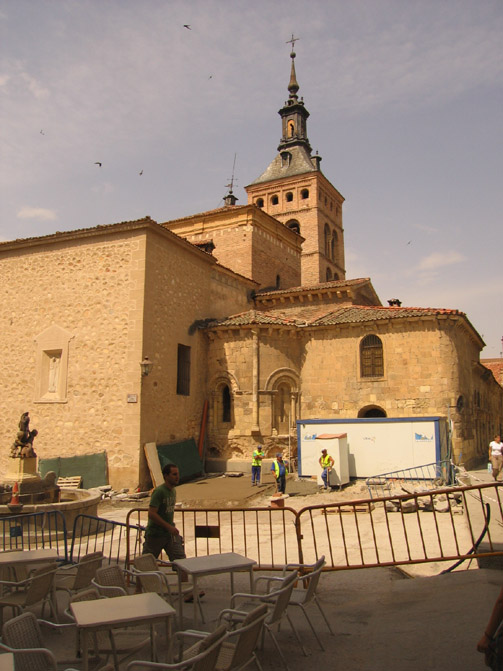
x: 93, y: 289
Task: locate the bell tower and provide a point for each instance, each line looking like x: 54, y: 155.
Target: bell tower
x: 294, y: 190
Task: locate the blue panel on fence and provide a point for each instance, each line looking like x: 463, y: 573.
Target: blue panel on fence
x: 16, y: 531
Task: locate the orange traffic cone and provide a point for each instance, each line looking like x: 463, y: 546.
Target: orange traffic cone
x: 15, y: 495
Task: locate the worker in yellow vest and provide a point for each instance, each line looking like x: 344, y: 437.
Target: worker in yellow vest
x: 258, y: 455
x: 280, y: 470
x: 327, y: 463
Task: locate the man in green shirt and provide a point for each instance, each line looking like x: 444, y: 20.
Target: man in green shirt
x: 161, y: 533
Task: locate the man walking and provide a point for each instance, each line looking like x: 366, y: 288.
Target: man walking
x: 161, y: 533
x: 327, y: 463
x: 258, y: 455
x: 280, y: 469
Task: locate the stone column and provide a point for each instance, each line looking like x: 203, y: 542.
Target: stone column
x: 255, y: 370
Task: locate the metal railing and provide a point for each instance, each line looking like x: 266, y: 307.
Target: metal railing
x: 267, y: 535
x: 436, y: 526
x: 384, y: 531
x: 440, y: 473
x: 34, y: 531
x: 93, y: 534
x: 450, y: 524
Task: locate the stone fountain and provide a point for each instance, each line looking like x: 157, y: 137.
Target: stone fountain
x: 37, y: 494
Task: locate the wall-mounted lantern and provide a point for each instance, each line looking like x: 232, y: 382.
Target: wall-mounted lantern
x: 146, y: 366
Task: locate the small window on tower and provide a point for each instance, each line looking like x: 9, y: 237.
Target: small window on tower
x: 304, y: 194
x: 260, y: 202
x: 274, y: 200
x: 291, y: 129
x: 289, y: 197
x: 293, y: 225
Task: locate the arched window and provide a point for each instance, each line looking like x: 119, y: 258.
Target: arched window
x: 293, y: 225
x: 336, y: 276
x: 289, y: 197
x: 329, y: 274
x: 274, y: 200
x: 226, y: 403
x: 371, y: 357
x: 278, y: 281
x: 291, y: 129
x: 327, y: 240
x: 333, y: 244
x: 260, y: 202
x: 282, y: 408
x: 304, y: 194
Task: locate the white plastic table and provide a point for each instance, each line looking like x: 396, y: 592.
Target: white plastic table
x: 120, y: 611
x: 28, y: 556
x: 197, y: 567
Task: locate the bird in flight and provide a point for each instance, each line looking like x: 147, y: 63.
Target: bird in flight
x: 210, y: 77
x: 97, y: 163
x: 186, y: 25
x: 42, y: 132
x: 141, y: 172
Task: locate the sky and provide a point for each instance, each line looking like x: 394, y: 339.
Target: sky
x: 405, y: 102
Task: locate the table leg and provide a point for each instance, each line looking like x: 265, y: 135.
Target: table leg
x: 251, y: 580
x: 180, y: 599
x: 85, y: 652
x: 232, y: 582
x: 195, y: 596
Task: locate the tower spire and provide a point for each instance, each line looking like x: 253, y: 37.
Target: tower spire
x: 293, y: 114
x: 293, y: 85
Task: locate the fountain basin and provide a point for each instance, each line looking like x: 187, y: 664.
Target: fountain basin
x: 73, y: 502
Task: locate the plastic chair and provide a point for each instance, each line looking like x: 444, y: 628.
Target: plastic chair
x: 305, y: 596
x: 23, y: 637
x: 38, y: 588
x: 77, y: 577
x: 152, y: 578
x: 238, y: 649
x: 277, y: 600
x: 202, y: 656
x: 111, y: 581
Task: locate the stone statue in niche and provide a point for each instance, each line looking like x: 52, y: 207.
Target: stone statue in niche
x: 54, y: 363
x: 23, y: 445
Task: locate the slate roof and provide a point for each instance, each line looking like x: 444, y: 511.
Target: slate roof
x: 300, y: 163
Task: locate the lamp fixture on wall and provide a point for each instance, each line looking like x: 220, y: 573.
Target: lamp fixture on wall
x: 146, y: 366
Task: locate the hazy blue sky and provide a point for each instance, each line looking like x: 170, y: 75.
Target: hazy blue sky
x: 406, y: 108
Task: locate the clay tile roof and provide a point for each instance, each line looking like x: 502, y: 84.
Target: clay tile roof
x: 254, y: 317
x: 358, y: 314
x: 343, y: 315
x: 334, y: 284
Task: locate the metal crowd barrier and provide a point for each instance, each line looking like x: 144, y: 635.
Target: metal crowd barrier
x: 443, y: 525
x: 440, y: 525
x: 267, y: 535
x: 384, y: 531
x: 34, y: 531
x: 441, y: 473
x: 93, y: 534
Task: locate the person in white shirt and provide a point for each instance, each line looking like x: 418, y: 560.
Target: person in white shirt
x: 496, y: 455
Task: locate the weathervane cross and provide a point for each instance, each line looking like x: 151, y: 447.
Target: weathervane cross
x: 292, y: 41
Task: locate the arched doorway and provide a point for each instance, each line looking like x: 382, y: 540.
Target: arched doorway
x: 372, y: 411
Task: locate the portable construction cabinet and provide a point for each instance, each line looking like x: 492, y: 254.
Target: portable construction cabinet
x: 336, y: 445
x: 375, y: 445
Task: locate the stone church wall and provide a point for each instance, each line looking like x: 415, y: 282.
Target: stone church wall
x: 91, y: 290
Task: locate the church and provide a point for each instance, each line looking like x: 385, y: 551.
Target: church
x: 131, y: 333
